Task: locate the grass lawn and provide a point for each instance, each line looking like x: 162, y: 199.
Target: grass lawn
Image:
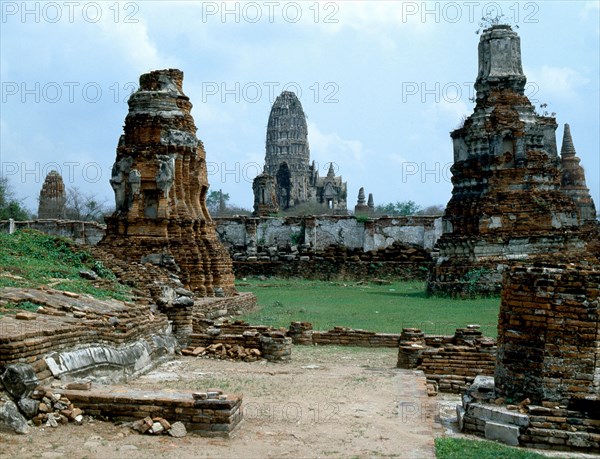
x: 30, y: 259
x: 459, y: 448
x: 380, y: 308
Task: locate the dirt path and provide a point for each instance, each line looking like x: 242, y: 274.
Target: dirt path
x: 327, y: 402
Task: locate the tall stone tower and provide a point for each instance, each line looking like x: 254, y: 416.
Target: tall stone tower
x: 287, y: 163
x: 52, y: 197
x: 507, y: 202
x: 160, y: 184
x: 287, y: 152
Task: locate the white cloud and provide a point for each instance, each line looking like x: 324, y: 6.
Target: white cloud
x: 330, y: 147
x: 134, y: 45
x: 372, y: 15
x: 560, y: 82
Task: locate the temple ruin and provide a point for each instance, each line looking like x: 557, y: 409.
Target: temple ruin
x: 52, y: 197
x: 160, y: 183
x: 513, y: 198
x: 288, y: 175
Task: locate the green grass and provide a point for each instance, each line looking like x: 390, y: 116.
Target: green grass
x: 30, y: 259
x: 458, y: 448
x: 380, y: 308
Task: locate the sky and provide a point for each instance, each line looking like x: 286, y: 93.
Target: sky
x: 382, y: 85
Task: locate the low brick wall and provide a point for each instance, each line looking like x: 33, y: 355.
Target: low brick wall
x: 454, y: 368
x: 450, y: 363
x: 342, y: 336
x: 562, y: 428
x: 273, y: 345
x: 209, y: 417
x: 204, y: 340
x: 331, y: 270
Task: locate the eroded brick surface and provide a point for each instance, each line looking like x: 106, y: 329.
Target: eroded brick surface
x: 513, y: 197
x: 160, y: 183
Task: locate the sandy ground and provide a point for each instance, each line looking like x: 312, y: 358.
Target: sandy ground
x: 327, y: 402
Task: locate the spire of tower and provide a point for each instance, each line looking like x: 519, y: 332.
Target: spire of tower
x: 361, y: 196
x: 567, y: 149
x: 331, y: 172
x: 371, y: 202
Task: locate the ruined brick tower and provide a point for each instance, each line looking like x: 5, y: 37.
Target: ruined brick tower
x: 507, y: 202
x: 160, y: 184
x: 573, y: 179
x: 287, y: 162
x: 265, y: 198
x: 52, y: 197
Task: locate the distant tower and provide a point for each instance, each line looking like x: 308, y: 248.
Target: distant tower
x: 361, y: 207
x: 287, y: 152
x: 573, y: 178
x: 52, y: 197
x: 371, y: 204
x: 287, y: 158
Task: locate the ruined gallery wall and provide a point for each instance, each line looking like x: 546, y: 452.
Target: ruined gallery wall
x: 323, y: 231
x: 80, y: 232
x: 320, y: 232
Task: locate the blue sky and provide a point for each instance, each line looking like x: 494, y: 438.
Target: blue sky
x: 382, y: 84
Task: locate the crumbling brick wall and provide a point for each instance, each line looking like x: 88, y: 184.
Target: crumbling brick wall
x: 549, y: 334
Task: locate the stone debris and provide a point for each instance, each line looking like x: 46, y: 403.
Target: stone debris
x: 89, y: 275
x: 42, y: 406
x: 79, y: 385
x: 54, y: 409
x: 12, y: 417
x: 19, y: 380
x: 159, y: 426
x: 177, y: 430
x: 224, y: 352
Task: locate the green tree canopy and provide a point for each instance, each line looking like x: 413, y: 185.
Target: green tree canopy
x: 398, y: 208
x: 9, y: 206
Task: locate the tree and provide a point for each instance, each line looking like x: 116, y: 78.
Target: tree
x: 216, y: 202
x: 9, y: 206
x: 85, y: 207
x: 218, y: 205
x: 437, y: 209
x: 398, y: 208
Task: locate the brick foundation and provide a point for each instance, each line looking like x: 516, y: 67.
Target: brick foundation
x: 210, y: 417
